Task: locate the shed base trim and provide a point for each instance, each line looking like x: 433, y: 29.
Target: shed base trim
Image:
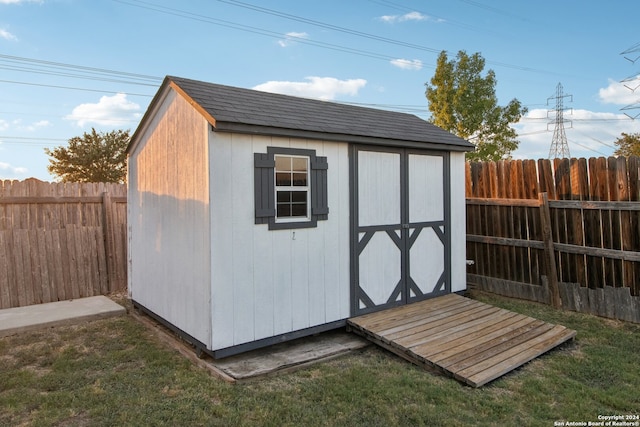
x: 201, y: 348
x: 199, y: 345
x: 265, y: 342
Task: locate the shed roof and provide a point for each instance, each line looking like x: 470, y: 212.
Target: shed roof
x: 251, y: 111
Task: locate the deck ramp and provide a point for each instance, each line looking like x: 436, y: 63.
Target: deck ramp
x: 472, y: 341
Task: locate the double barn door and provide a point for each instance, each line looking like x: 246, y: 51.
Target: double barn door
x: 400, y: 227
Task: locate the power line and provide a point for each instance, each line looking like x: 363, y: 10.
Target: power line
x: 22, y: 137
x: 252, y: 29
x: 92, y: 70
x: 439, y: 19
x: 325, y: 25
x: 256, y: 30
x: 594, y: 139
x: 22, y: 140
x: 535, y: 132
x: 530, y: 119
x: 74, y: 88
x: 588, y: 148
x: 78, y: 76
x: 494, y: 9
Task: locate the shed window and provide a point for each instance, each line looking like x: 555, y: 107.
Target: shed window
x: 290, y: 188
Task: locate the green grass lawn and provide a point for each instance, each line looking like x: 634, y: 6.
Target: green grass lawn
x: 114, y: 372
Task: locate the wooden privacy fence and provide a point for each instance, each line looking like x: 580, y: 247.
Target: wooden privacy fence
x: 593, y: 241
x: 61, y: 241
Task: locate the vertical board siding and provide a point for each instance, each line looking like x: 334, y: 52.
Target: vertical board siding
x: 271, y: 282
x: 426, y: 200
x: 597, y: 180
x: 378, y: 188
x: 53, y: 241
x: 427, y: 260
x: 459, y: 222
x: 380, y: 267
x: 169, y: 218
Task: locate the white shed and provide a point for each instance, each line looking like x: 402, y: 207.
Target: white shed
x: 255, y: 218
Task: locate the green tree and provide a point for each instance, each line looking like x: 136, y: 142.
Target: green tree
x: 628, y: 145
x: 464, y: 102
x: 93, y: 157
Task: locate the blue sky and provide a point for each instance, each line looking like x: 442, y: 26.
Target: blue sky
x: 69, y: 65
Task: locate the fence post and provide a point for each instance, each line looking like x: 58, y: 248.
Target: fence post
x: 552, y: 271
x: 109, y: 241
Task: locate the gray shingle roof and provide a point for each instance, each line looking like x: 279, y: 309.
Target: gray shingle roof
x: 236, y: 108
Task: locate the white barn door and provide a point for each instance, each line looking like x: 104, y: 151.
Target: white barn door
x: 400, y: 227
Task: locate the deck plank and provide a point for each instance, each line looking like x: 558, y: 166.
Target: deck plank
x: 498, y: 352
x: 445, y: 329
x: 432, y: 325
x: 469, y: 340
x: 460, y: 342
x: 518, y: 356
x: 481, y: 344
x: 374, y: 320
x: 424, y: 317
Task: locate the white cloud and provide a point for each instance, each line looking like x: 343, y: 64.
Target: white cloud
x: 11, y: 172
x: 17, y: 125
x: 113, y: 110
x: 407, y: 64
x: 589, y: 133
x: 292, y: 37
x: 411, y: 16
x: 325, y: 88
x: 37, y: 125
x: 620, y: 93
x: 42, y: 123
x: 4, y: 34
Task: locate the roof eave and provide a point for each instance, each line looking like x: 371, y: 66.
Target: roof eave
x: 251, y: 129
x: 151, y: 111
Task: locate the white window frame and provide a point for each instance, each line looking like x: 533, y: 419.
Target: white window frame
x: 306, y: 188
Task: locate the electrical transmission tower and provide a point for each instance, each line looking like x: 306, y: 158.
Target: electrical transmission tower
x: 632, y: 82
x: 559, y: 146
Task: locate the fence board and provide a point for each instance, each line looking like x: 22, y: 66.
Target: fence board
x: 6, y: 266
x: 614, y: 195
x: 595, y: 221
x: 579, y: 190
x: 633, y: 171
x: 519, y: 220
x: 52, y: 239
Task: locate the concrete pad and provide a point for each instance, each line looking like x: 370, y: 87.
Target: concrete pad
x: 273, y: 360
x: 33, y: 317
x: 290, y: 355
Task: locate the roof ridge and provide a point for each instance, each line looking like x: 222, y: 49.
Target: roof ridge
x: 243, y: 110
x: 284, y: 96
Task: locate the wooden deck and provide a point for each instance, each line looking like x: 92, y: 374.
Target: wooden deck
x: 467, y: 339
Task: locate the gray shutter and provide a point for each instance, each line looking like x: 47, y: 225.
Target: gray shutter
x: 264, y: 187
x: 319, y: 201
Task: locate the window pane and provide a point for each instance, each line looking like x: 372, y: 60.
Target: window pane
x: 300, y: 179
x: 299, y: 209
x: 284, y: 210
x: 292, y: 172
x: 299, y: 196
x: 283, y: 163
x: 299, y: 164
x: 284, y: 196
x: 283, y: 179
